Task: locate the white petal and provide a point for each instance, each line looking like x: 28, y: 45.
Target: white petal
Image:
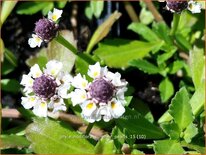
x: 28, y: 102
x: 115, y: 78
x: 40, y: 109
x: 27, y: 81
x: 35, y: 71
x: 105, y: 112
x: 53, y: 67
x: 34, y: 41
x: 120, y: 93
x: 55, y: 15
x: 79, y: 82
x: 194, y: 7
x: 78, y: 96
x: 63, y: 91
x: 117, y: 109
x: 94, y: 70
x: 88, y: 108
x: 58, y: 105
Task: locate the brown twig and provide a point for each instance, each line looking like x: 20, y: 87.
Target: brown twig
x: 74, y: 120
x: 131, y: 12
x: 154, y: 11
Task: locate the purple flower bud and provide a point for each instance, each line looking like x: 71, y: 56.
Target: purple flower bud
x: 101, y: 90
x: 46, y: 29
x: 44, y: 86
x: 176, y: 5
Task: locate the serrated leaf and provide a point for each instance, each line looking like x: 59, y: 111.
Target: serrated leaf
x: 168, y: 147
x: 53, y: 137
x: 97, y: 7
x: 145, y: 66
x: 182, y: 42
x: 13, y: 141
x: 144, y: 31
x: 29, y: 8
x: 190, y: 132
x: 180, y: 109
x: 102, y: 30
x: 118, y: 138
x: 112, y: 52
x: 135, y: 124
x: 105, y: 146
x: 172, y: 130
x: 166, y: 89
x: 161, y: 58
x: 59, y: 52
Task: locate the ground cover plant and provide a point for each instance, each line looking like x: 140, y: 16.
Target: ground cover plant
x: 102, y: 77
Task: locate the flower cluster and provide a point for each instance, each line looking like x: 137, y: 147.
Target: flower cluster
x: 178, y: 6
x: 46, y: 90
x: 103, y: 97
x: 45, y: 29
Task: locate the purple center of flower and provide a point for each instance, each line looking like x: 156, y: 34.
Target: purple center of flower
x: 177, y: 5
x: 44, y: 86
x: 46, y: 29
x: 101, y: 90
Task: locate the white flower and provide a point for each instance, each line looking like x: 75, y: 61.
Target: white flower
x: 102, y: 98
x: 45, y: 91
x: 78, y: 96
x: 80, y: 82
x: 55, y: 15
x: 194, y: 7
x: 34, y: 41
x: 53, y: 67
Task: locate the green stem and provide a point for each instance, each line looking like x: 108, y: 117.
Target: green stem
x: 142, y: 146
x: 176, y: 19
x: 89, y: 128
x: 86, y: 57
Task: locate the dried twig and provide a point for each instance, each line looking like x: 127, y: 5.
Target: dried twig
x: 74, y: 120
x: 154, y: 11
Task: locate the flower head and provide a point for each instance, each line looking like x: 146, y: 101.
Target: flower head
x: 177, y: 6
x: 45, y: 90
x: 103, y: 97
x: 45, y: 29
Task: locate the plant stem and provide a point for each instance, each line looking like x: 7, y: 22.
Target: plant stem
x: 89, y: 128
x: 176, y: 19
x: 131, y: 12
x: 86, y: 57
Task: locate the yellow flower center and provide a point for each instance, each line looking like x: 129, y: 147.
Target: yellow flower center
x: 31, y: 99
x: 42, y: 105
x: 95, y: 74
x: 89, y: 106
x: 54, y: 17
x: 113, y: 105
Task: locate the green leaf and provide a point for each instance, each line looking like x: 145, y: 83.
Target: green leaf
x: 166, y: 89
x: 6, y: 9
x: 145, y: 66
x: 10, y: 57
x: 172, y: 130
x: 29, y: 8
x: 59, y: 52
x: 61, y: 4
x: 135, y: 124
x: 40, y: 58
x: 135, y: 151
x: 182, y: 42
x: 144, y: 31
x: 47, y: 8
x: 112, y: 52
x: 118, y: 138
x: 105, y: 146
x: 161, y: 58
x: 10, y: 85
x: 197, y: 65
x: 176, y: 65
x: 180, y: 109
x: 168, y: 147
x: 190, y: 132
x: 13, y: 141
x: 102, y: 30
x: 53, y: 137
x: 97, y: 7
x: 6, y: 67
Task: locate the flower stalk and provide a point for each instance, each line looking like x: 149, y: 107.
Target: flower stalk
x: 176, y: 19
x: 89, y: 128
